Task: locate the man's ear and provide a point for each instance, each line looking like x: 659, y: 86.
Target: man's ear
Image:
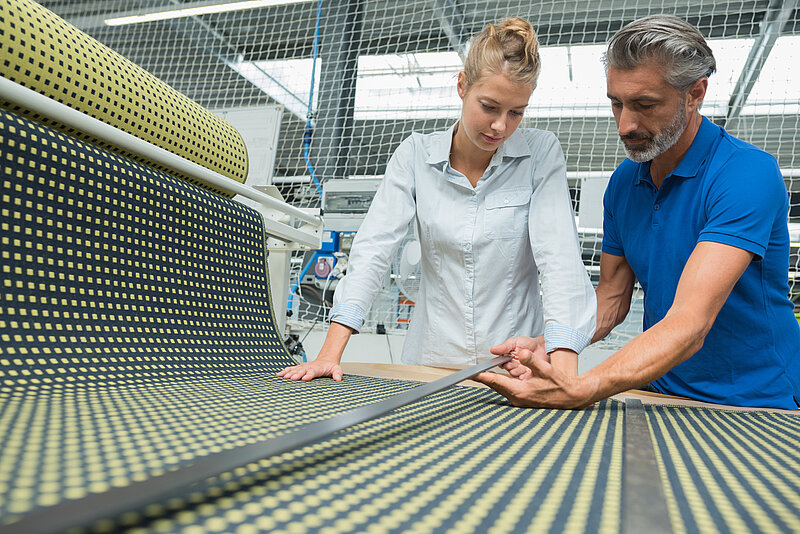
x: 696, y: 93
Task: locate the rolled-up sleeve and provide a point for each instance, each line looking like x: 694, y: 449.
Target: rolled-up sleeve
x: 568, y: 298
x: 378, y: 238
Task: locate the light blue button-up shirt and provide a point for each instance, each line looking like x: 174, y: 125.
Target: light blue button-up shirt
x: 484, y: 251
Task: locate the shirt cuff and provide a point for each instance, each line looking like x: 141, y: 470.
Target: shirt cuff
x: 348, y: 315
x: 557, y: 336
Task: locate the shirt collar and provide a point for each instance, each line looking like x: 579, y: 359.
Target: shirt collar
x: 513, y: 147
x: 694, y: 158
x: 440, y: 147
x: 698, y: 151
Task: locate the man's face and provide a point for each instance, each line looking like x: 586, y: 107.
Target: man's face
x: 651, y: 115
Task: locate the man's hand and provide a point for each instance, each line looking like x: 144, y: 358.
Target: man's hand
x: 534, y: 381
x: 513, y: 346
x: 311, y: 370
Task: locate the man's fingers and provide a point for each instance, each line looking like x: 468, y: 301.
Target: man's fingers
x: 337, y: 373
x: 501, y: 384
x: 504, y: 348
x: 518, y: 370
x: 539, y: 365
x: 524, y: 357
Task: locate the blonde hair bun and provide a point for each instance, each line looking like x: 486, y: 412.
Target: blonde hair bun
x: 509, y: 47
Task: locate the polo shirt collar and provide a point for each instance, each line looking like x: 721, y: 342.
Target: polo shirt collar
x: 694, y: 158
x: 513, y: 147
x: 698, y: 151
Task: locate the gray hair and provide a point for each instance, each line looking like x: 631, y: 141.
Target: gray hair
x: 671, y: 41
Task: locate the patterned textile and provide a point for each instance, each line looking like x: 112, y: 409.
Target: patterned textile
x: 460, y: 459
x: 137, y: 336
x: 728, y: 471
x: 43, y: 52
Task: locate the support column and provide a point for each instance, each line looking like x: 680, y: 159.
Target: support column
x: 340, y: 36
x: 451, y: 18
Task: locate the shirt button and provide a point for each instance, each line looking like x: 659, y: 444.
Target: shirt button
x: 657, y: 207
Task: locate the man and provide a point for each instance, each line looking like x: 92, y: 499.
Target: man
x: 699, y: 218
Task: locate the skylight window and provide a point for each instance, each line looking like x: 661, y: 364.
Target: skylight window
x: 572, y: 83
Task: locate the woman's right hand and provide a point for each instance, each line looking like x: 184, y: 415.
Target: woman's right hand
x: 328, y: 358
x: 311, y: 370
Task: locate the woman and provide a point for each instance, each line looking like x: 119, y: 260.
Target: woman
x: 493, y: 214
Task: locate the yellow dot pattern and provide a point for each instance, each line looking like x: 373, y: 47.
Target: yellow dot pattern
x: 43, y: 52
x: 113, y: 272
x: 460, y: 461
x: 136, y: 336
x: 135, y: 324
x: 728, y: 471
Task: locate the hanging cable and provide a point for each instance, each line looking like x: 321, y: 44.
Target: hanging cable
x: 308, y: 131
x: 297, y: 282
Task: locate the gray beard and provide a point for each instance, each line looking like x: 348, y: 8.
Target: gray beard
x: 661, y: 142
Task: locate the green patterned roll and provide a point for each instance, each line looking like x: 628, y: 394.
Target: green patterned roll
x: 45, y: 53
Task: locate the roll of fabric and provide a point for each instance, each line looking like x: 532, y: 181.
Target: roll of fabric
x: 45, y: 53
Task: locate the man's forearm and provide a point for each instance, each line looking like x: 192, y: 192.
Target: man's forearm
x: 611, y: 311
x: 647, y: 357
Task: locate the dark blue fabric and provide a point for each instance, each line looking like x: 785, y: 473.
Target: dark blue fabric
x: 726, y: 191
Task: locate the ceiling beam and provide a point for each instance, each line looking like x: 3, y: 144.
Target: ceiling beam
x: 451, y: 19
x: 770, y: 29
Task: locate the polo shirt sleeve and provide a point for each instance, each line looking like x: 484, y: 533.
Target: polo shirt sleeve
x: 744, y: 199
x: 611, y: 241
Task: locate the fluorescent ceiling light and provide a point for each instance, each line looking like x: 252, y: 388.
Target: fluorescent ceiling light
x: 192, y: 9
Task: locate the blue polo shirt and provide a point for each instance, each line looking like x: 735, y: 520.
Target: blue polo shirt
x: 726, y: 191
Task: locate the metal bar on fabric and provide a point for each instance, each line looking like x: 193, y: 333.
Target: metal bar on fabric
x: 84, y: 512
x: 644, y: 508
x: 47, y: 107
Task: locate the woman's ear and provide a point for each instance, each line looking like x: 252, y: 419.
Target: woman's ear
x: 461, y: 86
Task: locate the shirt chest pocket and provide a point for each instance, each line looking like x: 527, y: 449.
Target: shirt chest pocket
x: 506, y: 213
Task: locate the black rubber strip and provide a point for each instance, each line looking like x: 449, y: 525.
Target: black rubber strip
x: 644, y: 508
x: 87, y: 510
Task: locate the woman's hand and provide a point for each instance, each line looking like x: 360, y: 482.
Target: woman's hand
x: 327, y: 362
x: 311, y: 370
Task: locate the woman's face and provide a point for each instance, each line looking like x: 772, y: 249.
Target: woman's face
x: 491, y: 109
